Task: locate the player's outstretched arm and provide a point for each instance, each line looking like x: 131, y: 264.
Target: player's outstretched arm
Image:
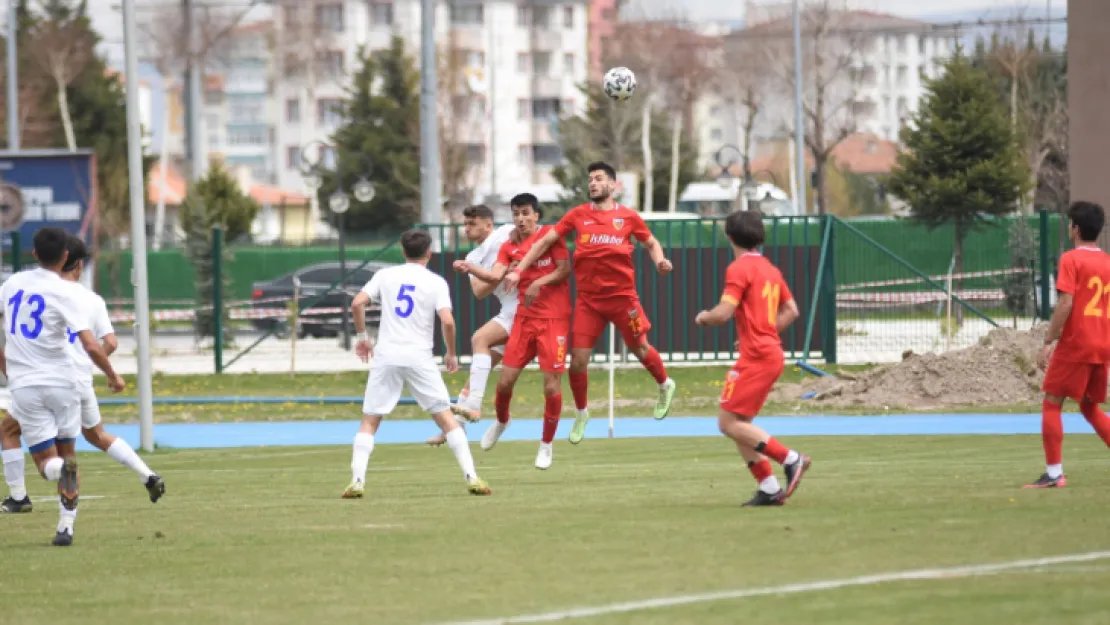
x: 719, y: 315
x: 658, y: 255
x: 539, y: 248
x: 100, y: 359
x: 483, y: 282
x: 447, y: 325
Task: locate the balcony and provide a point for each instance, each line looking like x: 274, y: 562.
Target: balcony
x: 547, y: 86
x: 542, y: 131
x: 550, y: 40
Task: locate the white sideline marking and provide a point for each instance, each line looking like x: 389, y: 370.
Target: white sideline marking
x: 55, y: 498
x: 789, y: 589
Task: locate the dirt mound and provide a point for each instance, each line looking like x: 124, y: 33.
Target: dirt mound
x: 999, y: 370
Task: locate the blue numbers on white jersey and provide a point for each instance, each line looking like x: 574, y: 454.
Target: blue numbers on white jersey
x: 38, y: 306
x: 72, y: 336
x: 403, y: 296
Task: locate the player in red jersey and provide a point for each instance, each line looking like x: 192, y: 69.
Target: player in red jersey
x: 1077, y: 347
x: 542, y: 325
x: 759, y: 299
x: 606, y: 286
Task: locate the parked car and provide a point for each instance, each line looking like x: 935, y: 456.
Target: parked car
x: 314, y: 281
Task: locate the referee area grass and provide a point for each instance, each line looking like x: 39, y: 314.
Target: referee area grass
x: 261, y: 536
x: 699, y: 389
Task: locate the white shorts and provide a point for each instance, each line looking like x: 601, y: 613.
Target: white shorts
x: 90, y: 408
x: 386, y: 382
x: 45, y: 413
x: 504, y: 319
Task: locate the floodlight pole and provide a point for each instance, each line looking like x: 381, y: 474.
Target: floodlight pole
x: 799, y: 118
x: 13, y: 76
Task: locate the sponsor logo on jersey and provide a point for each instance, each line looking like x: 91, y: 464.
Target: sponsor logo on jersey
x: 544, y: 262
x: 602, y: 239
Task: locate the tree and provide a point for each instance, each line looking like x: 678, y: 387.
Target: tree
x: 610, y: 131
x: 461, y: 97
x: 38, y: 113
x: 1018, y: 287
x: 961, y: 163
x: 62, y: 44
x: 381, y: 119
x: 744, y: 77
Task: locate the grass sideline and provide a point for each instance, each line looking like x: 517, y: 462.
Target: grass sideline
x: 698, y: 392
x: 260, y: 536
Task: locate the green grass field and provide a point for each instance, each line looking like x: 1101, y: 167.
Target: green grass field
x: 260, y: 536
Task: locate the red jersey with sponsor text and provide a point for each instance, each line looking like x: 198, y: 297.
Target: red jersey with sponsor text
x: 603, y: 248
x: 553, y: 302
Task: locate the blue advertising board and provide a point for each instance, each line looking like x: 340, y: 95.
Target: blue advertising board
x: 55, y: 187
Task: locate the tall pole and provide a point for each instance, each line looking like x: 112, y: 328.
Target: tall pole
x: 341, y: 222
x: 431, y: 209
x: 799, y: 118
x: 13, y: 76
x: 138, y: 228
x: 491, y: 100
x: 199, y: 157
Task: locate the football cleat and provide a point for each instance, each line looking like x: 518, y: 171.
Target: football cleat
x: 794, y: 472
x: 13, y: 506
x: 354, y: 490
x: 764, y: 499
x: 666, y: 395
x: 1044, y: 481
x: 63, y: 539
x: 478, y: 487
x: 492, y: 435
x: 155, y: 487
x: 543, y: 458
x: 578, y: 430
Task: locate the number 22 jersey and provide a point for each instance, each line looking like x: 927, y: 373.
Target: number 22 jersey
x: 757, y: 289
x: 411, y: 297
x: 1085, y: 275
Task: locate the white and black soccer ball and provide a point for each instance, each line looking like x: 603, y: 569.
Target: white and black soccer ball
x: 619, y: 83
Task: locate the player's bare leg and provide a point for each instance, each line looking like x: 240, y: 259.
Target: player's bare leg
x: 579, y: 385
x: 740, y: 429
x: 469, y: 404
x: 553, y: 407
x: 360, y: 455
x: 14, y: 468
x: 505, y: 385
x: 1052, y: 439
x: 653, y: 362
x: 456, y: 440
x: 124, y: 454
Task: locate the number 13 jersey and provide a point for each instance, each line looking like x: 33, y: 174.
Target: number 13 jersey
x: 757, y: 289
x: 411, y: 297
x: 1085, y: 275
x: 38, y: 308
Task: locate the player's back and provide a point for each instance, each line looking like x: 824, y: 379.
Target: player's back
x: 411, y: 296
x: 1085, y: 272
x: 37, y: 348
x: 757, y: 288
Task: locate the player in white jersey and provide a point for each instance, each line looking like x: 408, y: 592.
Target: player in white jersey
x: 41, y: 310
x: 92, y: 429
x: 487, y: 346
x: 411, y: 298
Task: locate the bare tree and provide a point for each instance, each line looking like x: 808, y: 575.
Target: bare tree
x: 62, y: 47
x: 461, y: 92
x: 745, y: 79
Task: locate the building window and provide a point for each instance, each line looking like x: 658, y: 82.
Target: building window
x: 244, y: 111
x: 522, y: 62
x: 247, y: 136
x: 523, y: 108
x: 329, y: 112
x: 541, y: 63
x: 292, y: 157
x: 546, y: 109
x: 381, y: 14
x: 292, y: 66
x: 902, y: 48
x: 903, y: 75
x: 523, y: 16
x: 475, y: 153
x: 546, y: 154
x: 331, y: 62
x: 330, y: 17
x: 568, y: 17
x: 292, y: 110
x: 568, y: 64
x: 714, y: 111
x: 716, y: 134
x: 921, y: 46
x: 467, y: 14
x: 541, y: 17
x: 524, y: 155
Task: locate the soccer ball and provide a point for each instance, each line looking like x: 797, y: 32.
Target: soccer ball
x: 619, y: 83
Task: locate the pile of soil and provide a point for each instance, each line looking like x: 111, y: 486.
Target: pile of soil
x: 1000, y: 370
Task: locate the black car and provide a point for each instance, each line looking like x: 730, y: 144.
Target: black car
x: 314, y: 281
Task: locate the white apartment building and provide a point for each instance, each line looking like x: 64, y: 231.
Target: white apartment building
x: 881, y: 90
x: 525, y: 61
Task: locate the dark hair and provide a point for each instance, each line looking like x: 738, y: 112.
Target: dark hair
x: 1088, y: 217
x: 478, y: 211
x: 521, y: 200
x: 415, y: 243
x: 50, y: 245
x: 745, y: 229
x: 78, y: 253
x: 602, y: 166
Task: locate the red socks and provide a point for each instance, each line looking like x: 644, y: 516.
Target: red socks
x: 552, y: 408
x: 774, y: 450
x: 760, y: 470
x: 501, y: 404
x: 653, y: 362
x: 579, y: 383
x: 1052, y: 431
x: 1098, y: 420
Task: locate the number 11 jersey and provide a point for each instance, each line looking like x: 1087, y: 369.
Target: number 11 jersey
x: 757, y: 289
x: 1085, y: 274
x: 411, y: 297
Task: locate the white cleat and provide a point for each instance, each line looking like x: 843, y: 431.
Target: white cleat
x: 493, y: 434
x: 543, y: 458
x: 464, y: 412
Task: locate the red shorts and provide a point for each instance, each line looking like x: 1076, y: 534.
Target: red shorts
x: 1076, y: 380
x: 532, y: 336
x: 591, y: 315
x: 748, y: 384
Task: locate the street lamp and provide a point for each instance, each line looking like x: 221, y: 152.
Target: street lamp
x: 748, y: 185
x: 339, y: 202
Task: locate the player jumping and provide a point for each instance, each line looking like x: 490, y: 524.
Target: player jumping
x: 606, y: 286
x: 411, y: 298
x: 1077, y: 347
x: 92, y: 429
x: 542, y: 326
x: 39, y: 306
x: 758, y: 297
x: 487, y: 346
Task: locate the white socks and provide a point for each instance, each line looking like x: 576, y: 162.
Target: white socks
x: 122, y: 453
x: 65, y: 518
x: 456, y: 440
x: 770, y: 485
x: 364, y: 446
x: 1054, y: 471
x: 480, y: 368
x: 14, y: 466
x: 791, y: 457
x: 53, y: 469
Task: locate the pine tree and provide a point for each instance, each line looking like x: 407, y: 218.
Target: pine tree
x: 961, y: 164
x: 379, y: 139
